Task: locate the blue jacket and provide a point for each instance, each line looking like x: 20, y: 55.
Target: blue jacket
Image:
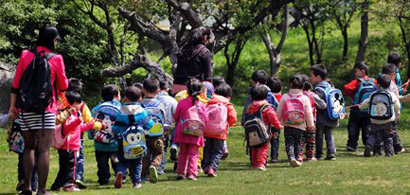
x: 131, y: 114
x: 101, y: 146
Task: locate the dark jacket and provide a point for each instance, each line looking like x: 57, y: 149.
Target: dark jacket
x: 198, y: 65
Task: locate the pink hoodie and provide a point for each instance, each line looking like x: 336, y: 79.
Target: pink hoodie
x: 73, y: 127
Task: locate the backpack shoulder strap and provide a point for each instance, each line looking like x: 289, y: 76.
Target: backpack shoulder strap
x: 49, y: 55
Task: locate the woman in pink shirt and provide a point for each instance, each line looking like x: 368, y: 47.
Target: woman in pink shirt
x: 38, y: 127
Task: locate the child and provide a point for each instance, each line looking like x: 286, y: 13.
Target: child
x: 324, y: 125
x: 295, y: 123
x: 72, y: 129
x: 309, y: 135
x: 218, y: 80
x: 275, y: 88
x: 170, y: 107
x: 381, y: 129
x: 391, y: 70
x: 155, y: 143
x: 188, y: 153
x: 106, y: 149
x: 226, y: 91
x: 132, y: 114
x: 395, y: 59
x: 359, y: 89
x: 214, y: 144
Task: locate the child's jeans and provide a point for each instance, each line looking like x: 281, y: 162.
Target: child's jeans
x: 259, y: 155
x: 308, y: 140
x: 187, y: 160
x: 134, y: 165
x: 274, y: 144
x: 213, y: 152
x: 161, y: 168
x: 293, y: 137
x: 80, y: 163
x: 20, y: 170
x: 381, y: 133
x: 353, y: 128
x: 155, y: 146
x: 330, y: 141
x: 66, y: 172
x: 103, y: 172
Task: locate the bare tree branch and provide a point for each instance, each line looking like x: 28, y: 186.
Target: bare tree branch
x: 189, y: 14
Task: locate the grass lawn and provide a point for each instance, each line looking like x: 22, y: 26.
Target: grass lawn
x: 349, y: 174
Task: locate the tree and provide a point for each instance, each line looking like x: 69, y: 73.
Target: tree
x: 364, y: 23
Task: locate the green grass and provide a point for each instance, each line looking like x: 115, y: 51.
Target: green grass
x: 350, y: 174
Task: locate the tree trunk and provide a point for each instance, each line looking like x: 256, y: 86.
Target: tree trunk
x: 345, y: 43
x: 408, y: 58
x: 310, y: 43
x: 232, y: 60
x: 364, y: 32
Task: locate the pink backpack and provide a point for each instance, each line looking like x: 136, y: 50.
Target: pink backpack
x: 293, y: 111
x: 193, y: 121
x: 59, y: 137
x: 309, y: 94
x: 217, y: 120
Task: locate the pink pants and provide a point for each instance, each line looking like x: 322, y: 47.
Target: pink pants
x: 258, y: 155
x: 187, y: 160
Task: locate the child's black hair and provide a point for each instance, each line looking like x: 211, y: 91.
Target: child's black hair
x: 133, y: 93
x: 195, y: 88
x: 295, y: 82
x: 151, y: 84
x: 163, y: 83
x: 319, y: 70
x: 394, y: 58
x: 260, y: 76
x: 73, y: 97
x: 224, y: 90
x: 384, y: 81
x: 218, y: 80
x: 108, y: 92
x: 75, y: 84
x: 259, y: 92
x: 139, y: 85
x: 306, y: 82
x: 362, y: 66
x: 274, y: 84
x: 389, y: 69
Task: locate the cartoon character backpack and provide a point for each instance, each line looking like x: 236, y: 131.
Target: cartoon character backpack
x: 217, y: 120
x: 157, y: 115
x: 381, y: 105
x: 193, y: 121
x: 364, y: 90
x: 107, y: 114
x: 256, y: 132
x: 334, y: 100
x: 293, y: 111
x: 133, y: 142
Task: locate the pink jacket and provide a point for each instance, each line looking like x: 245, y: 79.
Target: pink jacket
x: 232, y: 116
x: 58, y: 76
x: 73, y: 127
x: 306, y: 105
x: 180, y: 136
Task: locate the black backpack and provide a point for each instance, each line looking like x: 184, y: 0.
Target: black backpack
x: 256, y: 132
x: 35, y: 92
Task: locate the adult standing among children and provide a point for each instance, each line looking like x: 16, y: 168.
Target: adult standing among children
x: 195, y: 59
x: 38, y: 122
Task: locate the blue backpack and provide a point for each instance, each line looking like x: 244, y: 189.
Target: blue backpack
x: 364, y: 90
x: 334, y: 100
x: 272, y: 100
x: 157, y: 115
x: 107, y: 113
x: 133, y: 142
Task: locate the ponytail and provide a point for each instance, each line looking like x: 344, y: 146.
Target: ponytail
x: 194, y: 89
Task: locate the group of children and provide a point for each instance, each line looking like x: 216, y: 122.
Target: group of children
x: 136, y: 134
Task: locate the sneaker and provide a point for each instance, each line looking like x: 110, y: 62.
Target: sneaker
x: 20, y: 185
x: 295, y: 163
x: 400, y: 151
x: 330, y: 157
x: 225, y: 154
x: 144, y: 180
x: 181, y: 177
x: 153, y: 174
x: 71, y: 189
x: 367, y: 151
x: 173, y: 152
x: 319, y: 158
x: 137, y: 185
x: 211, y: 172
x: 200, y: 169
x: 351, y: 149
x: 273, y: 160
x: 313, y: 159
x: 26, y: 192
x: 206, y: 170
x: 161, y: 173
x: 175, y: 166
x: 80, y: 184
x: 118, y: 180
x: 192, y: 178
x: 263, y: 168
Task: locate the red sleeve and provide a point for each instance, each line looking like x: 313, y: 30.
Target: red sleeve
x: 272, y: 118
x: 61, y: 78
x: 86, y: 126
x: 21, y: 65
x: 71, y: 124
x: 351, y: 87
x: 232, y: 115
x: 177, y: 114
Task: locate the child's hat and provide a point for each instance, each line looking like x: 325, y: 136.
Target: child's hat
x: 209, y: 86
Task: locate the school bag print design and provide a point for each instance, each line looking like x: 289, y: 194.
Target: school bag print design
x: 364, y: 90
x: 217, y: 122
x: 256, y: 132
x: 381, y: 105
x: 107, y: 113
x: 334, y: 100
x: 157, y: 115
x: 293, y: 111
x: 133, y: 141
x: 193, y: 121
